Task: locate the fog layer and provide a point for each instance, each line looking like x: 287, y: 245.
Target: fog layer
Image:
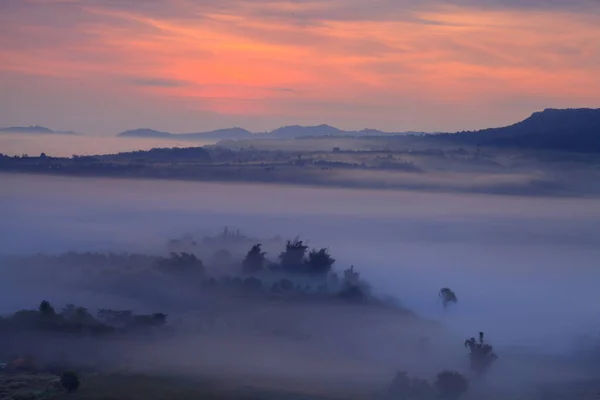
x: 525, y: 270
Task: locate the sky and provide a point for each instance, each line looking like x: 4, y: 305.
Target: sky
x: 104, y: 66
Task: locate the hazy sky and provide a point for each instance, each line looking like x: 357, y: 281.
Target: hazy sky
x: 103, y: 66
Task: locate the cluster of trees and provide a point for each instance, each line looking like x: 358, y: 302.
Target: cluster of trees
x: 74, y: 319
x: 297, y: 270
x: 293, y: 260
x: 182, y: 264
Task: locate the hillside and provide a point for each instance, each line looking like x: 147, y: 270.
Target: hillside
x: 553, y: 129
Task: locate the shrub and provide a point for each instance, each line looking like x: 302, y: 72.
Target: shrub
x: 70, y: 381
x: 451, y: 385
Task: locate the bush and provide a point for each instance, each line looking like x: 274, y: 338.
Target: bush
x: 451, y: 385
x: 70, y: 381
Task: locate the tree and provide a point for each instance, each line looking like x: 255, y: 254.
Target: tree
x: 448, y: 297
x: 481, y: 354
x: 319, y: 262
x: 451, y: 385
x: 70, y: 381
x: 46, y: 309
x: 292, y: 259
x: 183, y: 263
x: 353, y: 289
x: 254, y: 260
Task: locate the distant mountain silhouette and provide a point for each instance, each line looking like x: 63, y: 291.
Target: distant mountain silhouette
x: 34, y: 130
x: 286, y: 132
x: 557, y: 129
x: 294, y: 131
x: 297, y: 131
x: 228, y: 133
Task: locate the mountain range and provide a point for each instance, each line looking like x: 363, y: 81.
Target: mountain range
x: 286, y: 132
x: 560, y: 129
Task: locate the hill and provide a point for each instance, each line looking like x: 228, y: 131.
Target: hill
x: 552, y: 129
x: 34, y: 130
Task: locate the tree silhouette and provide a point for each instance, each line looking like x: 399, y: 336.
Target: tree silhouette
x: 353, y: 289
x: 451, y: 385
x: 292, y: 259
x: 481, y: 355
x: 254, y: 260
x: 448, y: 297
x: 46, y: 309
x: 319, y: 262
x: 183, y: 263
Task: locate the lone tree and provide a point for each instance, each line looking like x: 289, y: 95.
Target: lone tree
x: 70, y: 381
x: 481, y: 355
x: 254, y: 260
x: 451, y: 385
x: 448, y: 297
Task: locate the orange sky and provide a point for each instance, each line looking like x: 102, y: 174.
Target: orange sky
x: 103, y: 66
